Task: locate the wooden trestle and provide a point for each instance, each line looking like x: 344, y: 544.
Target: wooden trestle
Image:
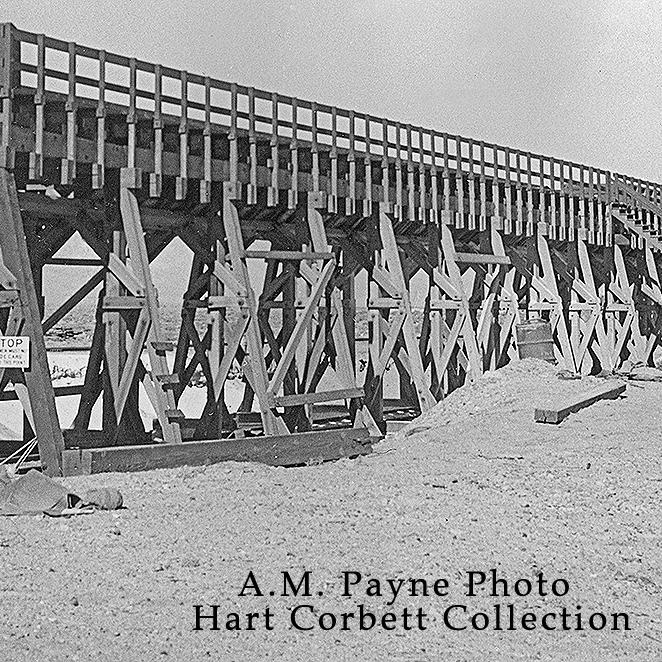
x: 142, y: 153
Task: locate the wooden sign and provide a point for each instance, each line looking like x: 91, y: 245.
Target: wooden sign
x: 14, y: 351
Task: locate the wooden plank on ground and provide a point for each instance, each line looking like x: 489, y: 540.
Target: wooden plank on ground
x: 555, y: 412
x: 289, y: 450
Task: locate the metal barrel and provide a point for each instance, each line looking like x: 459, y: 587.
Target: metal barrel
x: 534, y: 340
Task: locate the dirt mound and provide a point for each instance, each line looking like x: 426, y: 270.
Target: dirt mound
x: 518, y: 387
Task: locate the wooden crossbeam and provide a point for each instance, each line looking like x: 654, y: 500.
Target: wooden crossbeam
x: 287, y: 450
x: 478, y: 258
x: 312, y: 398
x: 288, y: 255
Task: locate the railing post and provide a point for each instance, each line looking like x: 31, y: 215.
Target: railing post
x: 10, y: 55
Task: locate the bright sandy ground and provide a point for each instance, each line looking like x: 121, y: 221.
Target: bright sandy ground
x: 474, y: 485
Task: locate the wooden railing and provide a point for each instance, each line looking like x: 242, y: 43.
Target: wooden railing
x: 424, y: 167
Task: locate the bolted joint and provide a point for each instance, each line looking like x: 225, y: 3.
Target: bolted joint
x: 35, y: 166
x: 155, y: 185
x: 97, y: 175
x: 67, y: 172
x: 205, y: 192
x: 131, y: 178
x: 181, y: 188
x: 497, y: 223
x: 317, y: 199
x: 7, y: 158
x: 232, y: 190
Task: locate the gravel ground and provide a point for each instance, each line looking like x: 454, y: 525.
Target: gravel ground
x: 474, y: 485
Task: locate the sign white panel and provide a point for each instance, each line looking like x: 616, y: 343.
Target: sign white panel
x: 14, y: 351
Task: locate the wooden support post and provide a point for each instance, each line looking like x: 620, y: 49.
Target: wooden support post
x: 562, y: 234
x: 508, y: 190
x: 386, y: 184
x: 238, y: 277
x: 98, y: 173
x: 36, y: 163
x: 233, y: 136
x: 131, y: 118
x: 482, y: 224
x: 148, y: 329
x: 156, y: 177
x: 397, y: 210
x: 530, y: 220
x: 293, y: 191
x: 471, y: 184
x: 542, y: 201
x: 251, y: 195
x: 332, y: 197
x: 545, y: 287
x: 553, y: 222
x: 496, y: 212
x: 92, y: 384
x: 411, y: 190
x: 434, y: 181
x: 572, y: 211
x: 350, y: 199
x: 181, y: 182
x: 68, y: 165
x: 459, y: 184
x: 404, y: 319
x: 272, y: 190
x: 422, y: 188
x: 367, y: 200
x: 582, y: 211
x: 519, y: 223
x: 15, y: 264
x: 206, y: 182
x: 10, y: 78
x: 342, y: 318
x: 115, y: 342
x: 590, y: 202
x: 446, y: 217
x: 314, y: 148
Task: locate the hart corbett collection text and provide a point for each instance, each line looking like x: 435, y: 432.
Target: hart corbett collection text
x: 384, y: 614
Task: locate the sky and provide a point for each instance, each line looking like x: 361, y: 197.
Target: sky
x: 578, y: 80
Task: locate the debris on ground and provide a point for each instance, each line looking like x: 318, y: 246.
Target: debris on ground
x: 104, y: 498
x: 34, y: 493
x: 644, y: 373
